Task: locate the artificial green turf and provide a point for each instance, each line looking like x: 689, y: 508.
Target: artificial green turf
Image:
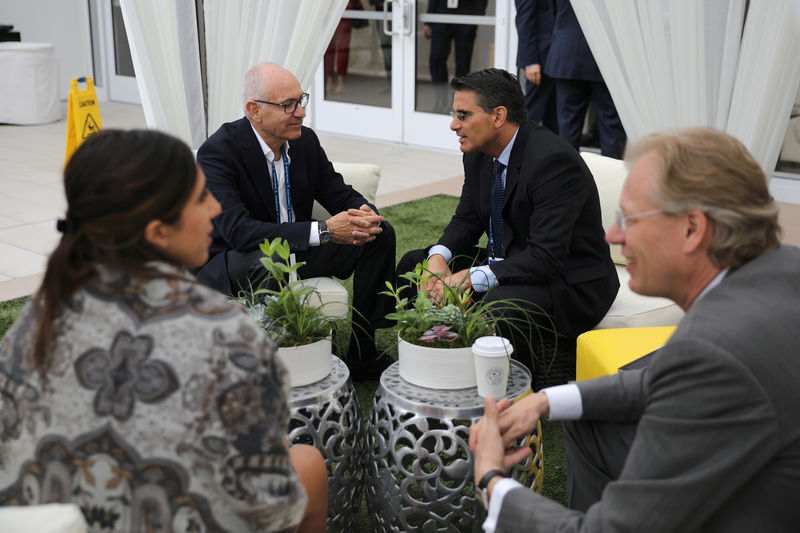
x: 8, y: 313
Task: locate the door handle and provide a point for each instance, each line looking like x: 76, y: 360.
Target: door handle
x: 386, y: 18
x: 407, y: 8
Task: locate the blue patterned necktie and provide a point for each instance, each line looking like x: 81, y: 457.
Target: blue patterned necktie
x: 498, y: 195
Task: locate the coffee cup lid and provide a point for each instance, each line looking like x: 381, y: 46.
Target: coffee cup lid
x: 493, y: 345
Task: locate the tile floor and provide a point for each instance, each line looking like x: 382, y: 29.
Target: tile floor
x: 32, y: 198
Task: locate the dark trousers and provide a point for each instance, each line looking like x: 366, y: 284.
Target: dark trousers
x: 442, y: 35
x: 541, y: 103
x: 371, y: 265
x: 520, y: 329
x: 572, y: 97
x: 596, y: 453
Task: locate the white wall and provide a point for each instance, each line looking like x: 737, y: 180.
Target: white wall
x: 64, y: 23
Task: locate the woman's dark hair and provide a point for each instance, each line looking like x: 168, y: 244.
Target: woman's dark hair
x: 495, y: 87
x: 116, y: 182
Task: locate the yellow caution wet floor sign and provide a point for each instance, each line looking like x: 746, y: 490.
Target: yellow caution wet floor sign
x: 83, y: 115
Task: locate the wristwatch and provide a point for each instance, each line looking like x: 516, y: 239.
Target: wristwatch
x: 481, y: 490
x: 324, y: 234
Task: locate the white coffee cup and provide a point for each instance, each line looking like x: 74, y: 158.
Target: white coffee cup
x: 491, y: 356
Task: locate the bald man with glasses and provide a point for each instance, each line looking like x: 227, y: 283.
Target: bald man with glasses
x: 266, y: 169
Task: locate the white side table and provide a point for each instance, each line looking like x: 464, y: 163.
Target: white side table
x: 29, y: 83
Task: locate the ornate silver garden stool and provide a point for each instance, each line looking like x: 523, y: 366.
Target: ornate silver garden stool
x: 327, y: 416
x: 419, y: 468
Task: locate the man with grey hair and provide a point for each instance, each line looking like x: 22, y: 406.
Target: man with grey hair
x: 706, y: 437
x: 266, y: 170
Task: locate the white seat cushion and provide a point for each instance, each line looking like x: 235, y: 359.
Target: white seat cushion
x: 363, y: 177
x: 330, y: 295
x: 631, y: 310
x: 50, y: 518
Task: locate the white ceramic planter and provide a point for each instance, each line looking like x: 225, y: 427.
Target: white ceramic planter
x: 436, y: 368
x: 308, y: 363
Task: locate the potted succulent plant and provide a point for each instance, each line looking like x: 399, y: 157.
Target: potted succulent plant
x: 287, y: 309
x: 435, y: 337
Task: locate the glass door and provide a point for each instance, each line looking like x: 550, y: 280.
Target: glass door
x: 358, y: 88
x: 114, y: 75
x: 387, y: 69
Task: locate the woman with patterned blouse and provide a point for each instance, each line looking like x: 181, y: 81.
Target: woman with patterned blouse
x: 126, y: 387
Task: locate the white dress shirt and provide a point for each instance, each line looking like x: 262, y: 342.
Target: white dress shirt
x: 313, y: 237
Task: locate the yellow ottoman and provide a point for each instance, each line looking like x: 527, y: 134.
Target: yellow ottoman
x: 603, y: 351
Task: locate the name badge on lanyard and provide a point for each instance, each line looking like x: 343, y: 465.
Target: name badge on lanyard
x: 452, y: 4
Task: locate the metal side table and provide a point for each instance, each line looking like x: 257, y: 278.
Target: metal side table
x: 326, y: 415
x: 419, y: 468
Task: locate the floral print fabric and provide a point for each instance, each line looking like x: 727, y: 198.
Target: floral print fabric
x: 165, y: 410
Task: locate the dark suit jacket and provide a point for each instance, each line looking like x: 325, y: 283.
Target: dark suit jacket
x: 717, y: 445
x: 534, y: 28
x: 552, y: 229
x: 570, y: 56
x: 238, y: 175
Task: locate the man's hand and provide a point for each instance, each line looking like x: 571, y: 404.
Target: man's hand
x: 366, y: 224
x: 534, y: 73
x: 461, y: 280
x: 486, y: 442
x: 426, y: 31
x: 355, y: 226
x: 521, y: 418
x: 438, y: 271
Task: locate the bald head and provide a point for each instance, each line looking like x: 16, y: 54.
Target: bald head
x: 261, y: 80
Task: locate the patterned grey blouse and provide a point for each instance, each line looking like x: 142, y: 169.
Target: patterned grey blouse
x: 165, y: 410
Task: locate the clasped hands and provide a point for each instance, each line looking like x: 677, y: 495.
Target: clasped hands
x: 441, y: 275
x: 491, y: 438
x: 355, y: 226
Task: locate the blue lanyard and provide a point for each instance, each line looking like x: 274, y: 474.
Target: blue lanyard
x: 288, y: 188
x: 491, y: 232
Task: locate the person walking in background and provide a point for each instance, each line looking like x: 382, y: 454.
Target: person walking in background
x: 578, y: 80
x: 337, y: 54
x: 442, y: 36
x: 534, y: 22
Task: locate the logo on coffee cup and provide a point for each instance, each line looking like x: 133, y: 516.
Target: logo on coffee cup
x: 494, y: 375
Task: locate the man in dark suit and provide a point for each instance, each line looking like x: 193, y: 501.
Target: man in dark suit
x: 266, y: 170
x: 549, y: 249
x: 578, y: 80
x: 705, y: 438
x: 534, y: 28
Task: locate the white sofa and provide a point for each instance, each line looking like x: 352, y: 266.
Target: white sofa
x: 48, y: 518
x: 790, y: 151
x: 364, y: 178
x: 629, y: 309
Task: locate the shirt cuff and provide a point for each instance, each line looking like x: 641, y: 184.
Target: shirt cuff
x: 501, y: 488
x: 313, y: 235
x: 565, y: 402
x: 482, y: 278
x: 444, y: 251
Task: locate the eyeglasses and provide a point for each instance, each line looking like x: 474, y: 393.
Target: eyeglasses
x: 289, y: 106
x: 622, y: 220
x: 460, y: 115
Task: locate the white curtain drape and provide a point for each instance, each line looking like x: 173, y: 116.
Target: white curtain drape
x: 162, y: 35
x: 241, y: 33
x: 679, y: 63
x: 238, y: 34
